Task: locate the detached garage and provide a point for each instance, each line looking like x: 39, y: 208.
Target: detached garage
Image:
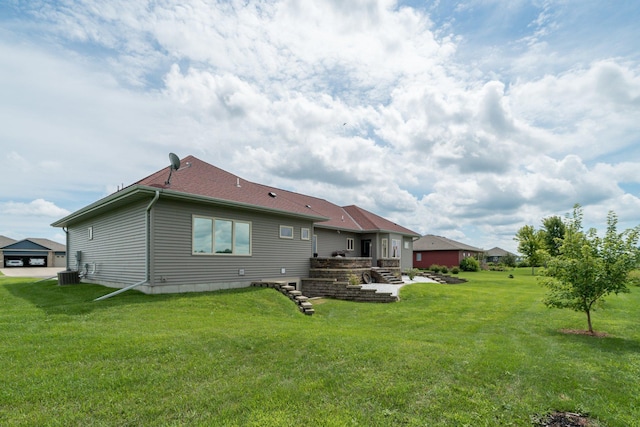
x: 32, y: 252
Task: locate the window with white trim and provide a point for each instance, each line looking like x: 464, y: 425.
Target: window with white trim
x: 349, y: 243
x: 304, y: 234
x: 286, y: 232
x: 90, y: 233
x: 385, y: 248
x: 395, y: 248
x: 217, y: 236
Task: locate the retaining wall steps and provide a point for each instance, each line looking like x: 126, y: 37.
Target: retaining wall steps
x: 290, y: 291
x: 382, y: 275
x: 444, y: 279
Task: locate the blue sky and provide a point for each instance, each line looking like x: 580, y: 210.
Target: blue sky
x: 465, y: 119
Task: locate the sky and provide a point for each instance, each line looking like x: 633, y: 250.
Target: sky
x: 464, y: 119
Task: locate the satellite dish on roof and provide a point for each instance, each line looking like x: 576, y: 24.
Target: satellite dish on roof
x: 175, y: 161
x: 174, y: 166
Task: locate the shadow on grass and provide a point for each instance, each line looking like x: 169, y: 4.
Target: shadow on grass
x: 78, y: 299
x: 605, y: 342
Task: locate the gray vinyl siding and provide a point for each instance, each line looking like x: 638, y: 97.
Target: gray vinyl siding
x: 406, y: 255
x: 174, y: 264
x: 330, y: 241
x: 118, y: 247
x: 406, y: 260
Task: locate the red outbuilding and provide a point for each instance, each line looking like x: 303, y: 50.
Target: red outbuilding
x: 430, y: 250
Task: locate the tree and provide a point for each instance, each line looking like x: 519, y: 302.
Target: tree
x: 509, y: 260
x: 530, y: 244
x: 553, y: 229
x: 589, y: 267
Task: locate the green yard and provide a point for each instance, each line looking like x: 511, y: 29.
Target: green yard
x: 485, y: 353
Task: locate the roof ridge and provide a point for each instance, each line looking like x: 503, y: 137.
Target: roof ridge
x: 352, y: 218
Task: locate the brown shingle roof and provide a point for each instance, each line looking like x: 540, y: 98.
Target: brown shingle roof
x: 370, y: 221
x: 498, y: 252
x: 6, y: 241
x: 430, y: 242
x: 204, y: 179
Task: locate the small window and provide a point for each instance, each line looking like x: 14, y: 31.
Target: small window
x: 304, y: 234
x: 349, y: 244
x: 286, y: 232
x: 90, y: 233
x: 419, y: 256
x: 406, y: 244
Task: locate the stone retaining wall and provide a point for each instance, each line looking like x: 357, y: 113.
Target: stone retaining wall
x: 331, y: 288
x: 329, y: 277
x: 339, y: 268
x: 341, y: 275
x: 341, y: 262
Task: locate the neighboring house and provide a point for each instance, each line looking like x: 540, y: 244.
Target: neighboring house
x: 4, y: 241
x: 429, y: 250
x: 496, y: 254
x: 33, y: 252
x: 207, y: 229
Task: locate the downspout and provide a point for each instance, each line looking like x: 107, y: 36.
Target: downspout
x: 148, y: 232
x: 66, y: 241
x: 147, y: 269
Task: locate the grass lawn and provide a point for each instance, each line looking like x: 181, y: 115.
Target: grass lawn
x: 484, y: 353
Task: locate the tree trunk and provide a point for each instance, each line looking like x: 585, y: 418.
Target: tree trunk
x: 589, y: 321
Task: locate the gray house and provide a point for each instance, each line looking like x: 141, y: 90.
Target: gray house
x: 32, y: 252
x: 201, y: 228
x: 496, y: 255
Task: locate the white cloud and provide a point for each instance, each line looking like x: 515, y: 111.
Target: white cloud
x: 38, y: 207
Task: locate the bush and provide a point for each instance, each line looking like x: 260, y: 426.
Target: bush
x: 455, y: 270
x: 495, y: 267
x: 444, y: 269
x: 435, y: 268
x: 413, y: 273
x: 353, y: 280
x: 469, y: 264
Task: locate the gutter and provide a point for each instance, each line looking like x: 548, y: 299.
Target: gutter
x: 147, y: 270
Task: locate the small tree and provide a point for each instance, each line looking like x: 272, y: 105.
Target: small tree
x: 589, y: 267
x: 553, y: 233
x: 531, y: 245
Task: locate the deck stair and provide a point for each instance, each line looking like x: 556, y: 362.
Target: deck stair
x: 382, y: 275
x: 290, y: 292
